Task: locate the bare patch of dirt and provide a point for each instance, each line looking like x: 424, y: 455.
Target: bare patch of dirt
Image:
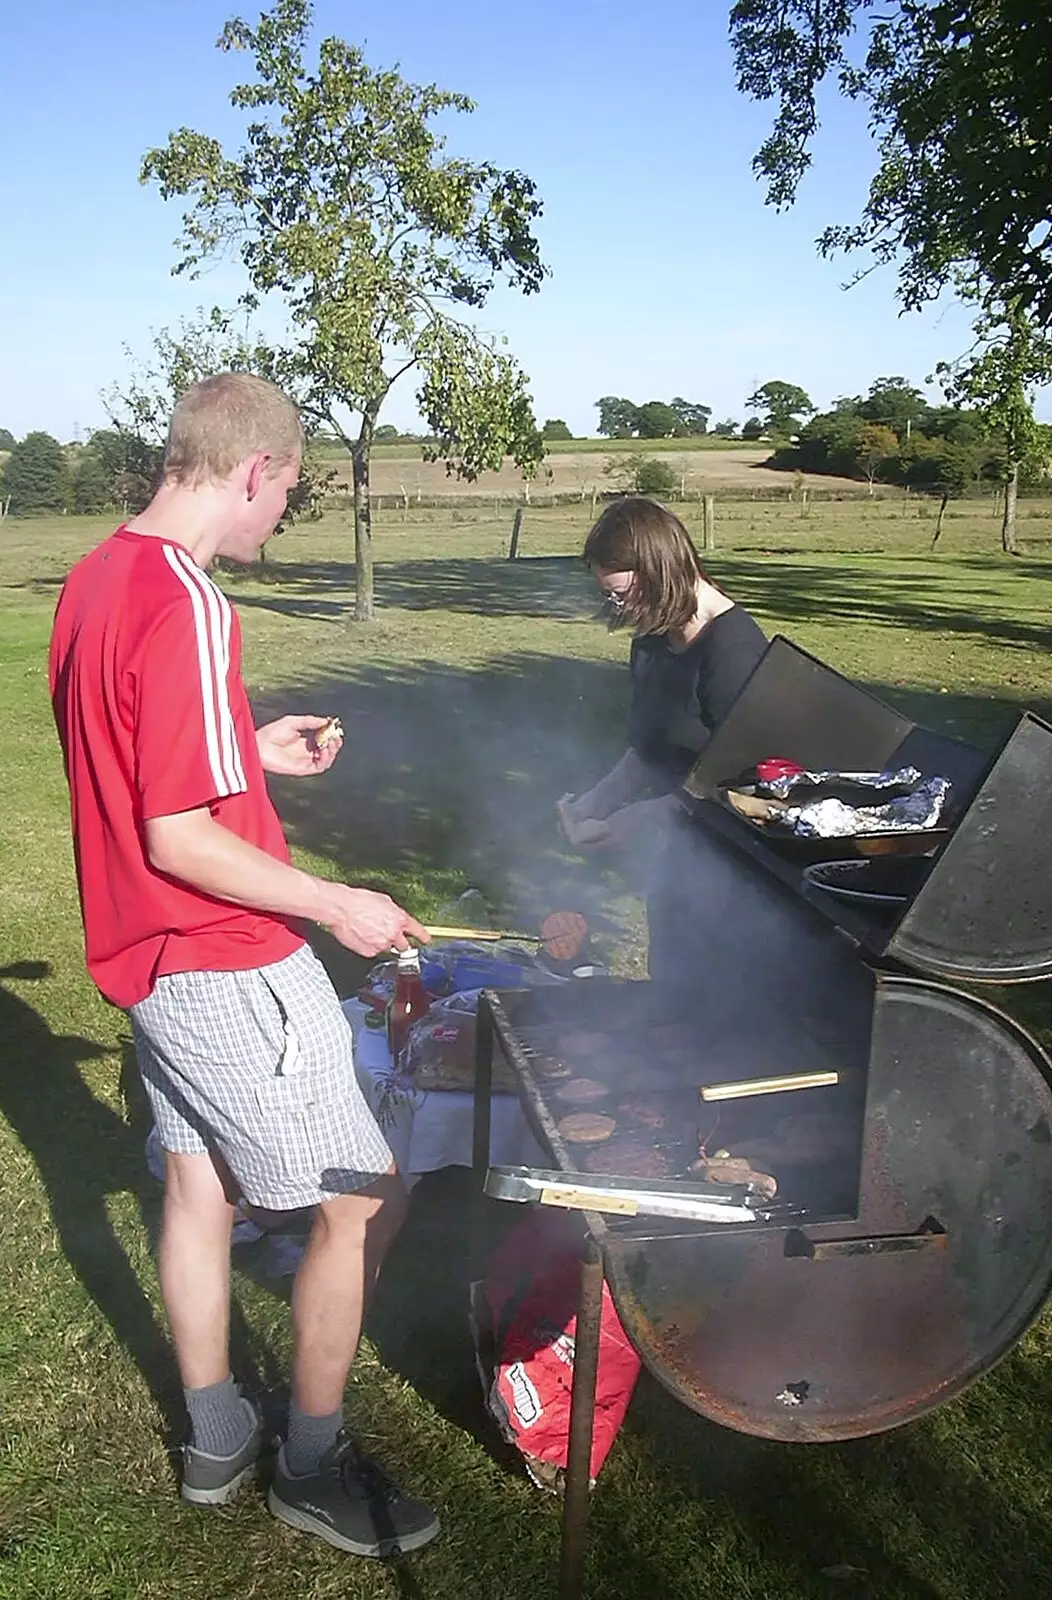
x: 699, y: 471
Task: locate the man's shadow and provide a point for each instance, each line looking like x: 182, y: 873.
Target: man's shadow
x: 84, y: 1151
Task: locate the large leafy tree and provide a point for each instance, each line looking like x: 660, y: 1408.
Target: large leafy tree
x: 34, y: 477
x: 656, y: 419
x: 959, y: 95
x: 131, y: 451
x: 7, y: 439
x: 691, y: 418
x: 894, y: 404
x: 618, y: 417
x: 781, y: 405
x: 344, y: 203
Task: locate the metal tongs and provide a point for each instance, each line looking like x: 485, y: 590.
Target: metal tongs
x: 626, y: 1197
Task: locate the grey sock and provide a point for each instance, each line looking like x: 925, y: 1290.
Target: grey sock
x: 309, y: 1438
x: 221, y: 1419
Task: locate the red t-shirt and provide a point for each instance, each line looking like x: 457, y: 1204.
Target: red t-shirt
x: 145, y: 671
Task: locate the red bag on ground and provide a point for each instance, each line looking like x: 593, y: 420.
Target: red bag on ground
x: 525, y: 1319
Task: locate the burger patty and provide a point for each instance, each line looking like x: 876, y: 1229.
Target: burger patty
x: 628, y: 1157
x: 643, y: 1111
x: 581, y: 1092
x: 586, y: 1127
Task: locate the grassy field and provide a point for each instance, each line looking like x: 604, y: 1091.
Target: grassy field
x: 406, y: 450
x: 484, y: 689
x: 576, y: 466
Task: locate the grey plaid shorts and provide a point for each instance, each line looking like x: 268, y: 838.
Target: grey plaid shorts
x: 258, y: 1065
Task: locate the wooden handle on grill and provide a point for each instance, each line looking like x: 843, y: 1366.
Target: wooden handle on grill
x: 750, y: 1086
x: 484, y: 934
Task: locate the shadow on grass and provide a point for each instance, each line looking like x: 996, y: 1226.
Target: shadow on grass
x: 912, y: 597
x: 537, y: 586
x: 84, y: 1152
x: 920, y: 597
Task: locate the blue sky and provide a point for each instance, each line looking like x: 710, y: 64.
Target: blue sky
x: 669, y: 274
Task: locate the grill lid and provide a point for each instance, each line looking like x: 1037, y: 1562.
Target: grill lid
x: 985, y: 912
x: 836, y: 1331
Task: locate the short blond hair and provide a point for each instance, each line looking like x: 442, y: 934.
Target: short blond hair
x: 224, y: 419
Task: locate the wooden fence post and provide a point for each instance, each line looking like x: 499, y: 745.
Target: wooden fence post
x: 594, y: 495
x: 516, y: 529
x: 709, y: 538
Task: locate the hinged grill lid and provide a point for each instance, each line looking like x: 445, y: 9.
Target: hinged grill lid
x: 985, y: 912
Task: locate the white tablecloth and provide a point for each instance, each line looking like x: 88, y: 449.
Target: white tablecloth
x: 429, y: 1130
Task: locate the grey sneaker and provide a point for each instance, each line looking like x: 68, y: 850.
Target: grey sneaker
x: 351, y: 1503
x: 213, y: 1480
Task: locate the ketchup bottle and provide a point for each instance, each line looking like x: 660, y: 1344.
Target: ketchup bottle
x: 408, y: 1003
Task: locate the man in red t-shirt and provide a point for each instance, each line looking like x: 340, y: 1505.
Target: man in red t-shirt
x: 192, y: 913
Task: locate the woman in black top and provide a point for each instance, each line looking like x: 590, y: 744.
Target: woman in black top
x: 692, y: 652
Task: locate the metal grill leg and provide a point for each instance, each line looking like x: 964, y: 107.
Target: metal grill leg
x: 480, y: 1140
x: 582, y: 1419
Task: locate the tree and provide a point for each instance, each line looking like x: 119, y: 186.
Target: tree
x: 133, y: 450
x: 752, y: 428
x: 959, y: 96
x: 618, y: 418
x: 130, y: 464
x: 874, y: 445
x: 828, y: 442
x: 344, y: 204
x: 640, y: 474
x: 555, y: 428
x: 386, y: 433
x: 90, y: 488
x: 656, y: 420
x: 895, y: 404
x: 692, y: 419
x: 7, y: 439
x: 781, y: 405
x: 947, y: 470
x: 34, y: 480
x: 725, y: 429
x: 1009, y: 361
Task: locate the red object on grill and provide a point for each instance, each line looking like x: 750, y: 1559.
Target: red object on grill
x: 777, y: 767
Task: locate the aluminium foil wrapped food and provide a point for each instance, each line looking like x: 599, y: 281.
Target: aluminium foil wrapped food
x: 831, y: 818
x: 788, y: 785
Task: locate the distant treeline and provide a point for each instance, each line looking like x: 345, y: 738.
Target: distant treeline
x: 892, y: 435
x: 112, y: 471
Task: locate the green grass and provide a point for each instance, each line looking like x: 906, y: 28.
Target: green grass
x: 482, y: 691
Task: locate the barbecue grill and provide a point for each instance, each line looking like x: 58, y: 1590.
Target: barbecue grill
x: 907, y: 1124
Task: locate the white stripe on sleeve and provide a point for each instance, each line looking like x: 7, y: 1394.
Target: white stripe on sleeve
x: 206, y: 666
x: 217, y: 610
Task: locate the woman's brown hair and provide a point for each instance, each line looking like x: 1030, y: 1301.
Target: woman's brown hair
x: 638, y: 535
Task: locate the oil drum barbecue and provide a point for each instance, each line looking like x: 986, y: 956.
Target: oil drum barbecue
x: 816, y: 1176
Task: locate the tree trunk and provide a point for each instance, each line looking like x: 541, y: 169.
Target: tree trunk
x: 363, y: 528
x: 1008, y: 544
x: 938, y: 525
